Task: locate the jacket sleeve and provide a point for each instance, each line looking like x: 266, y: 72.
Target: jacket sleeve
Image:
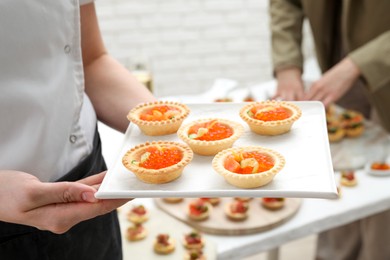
x: 286, y: 20
x: 373, y: 59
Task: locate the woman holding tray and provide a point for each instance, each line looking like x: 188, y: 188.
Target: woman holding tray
x: 54, y: 75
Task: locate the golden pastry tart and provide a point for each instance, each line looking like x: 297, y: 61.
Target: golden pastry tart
x: 248, y: 167
x: 158, y: 161
x: 210, y: 136
x: 270, y: 117
x: 159, y: 118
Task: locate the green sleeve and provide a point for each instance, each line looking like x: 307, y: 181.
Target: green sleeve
x: 286, y: 20
x: 373, y: 60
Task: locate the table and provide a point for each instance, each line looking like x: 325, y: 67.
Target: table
x: 370, y: 196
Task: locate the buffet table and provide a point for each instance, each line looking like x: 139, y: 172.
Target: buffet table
x: 370, y: 196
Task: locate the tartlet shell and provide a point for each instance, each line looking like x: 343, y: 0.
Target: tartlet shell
x: 253, y: 180
x: 162, y: 175
x: 271, y: 127
x: 210, y: 147
x: 156, y: 128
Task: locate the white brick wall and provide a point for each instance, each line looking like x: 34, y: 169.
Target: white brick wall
x: 189, y: 43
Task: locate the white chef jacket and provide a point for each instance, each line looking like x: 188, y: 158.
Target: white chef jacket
x: 47, y: 122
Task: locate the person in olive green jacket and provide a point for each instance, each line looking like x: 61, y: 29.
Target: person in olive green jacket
x: 361, y: 31
x: 352, y: 42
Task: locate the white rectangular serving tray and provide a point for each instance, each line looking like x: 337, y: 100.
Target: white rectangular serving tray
x: 308, y: 172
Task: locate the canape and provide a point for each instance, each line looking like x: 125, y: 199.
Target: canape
x: 270, y: 117
x: 158, y: 162
x: 211, y: 135
x: 159, y: 118
x: 248, y: 167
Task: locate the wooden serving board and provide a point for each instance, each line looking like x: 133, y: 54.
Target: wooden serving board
x: 259, y: 218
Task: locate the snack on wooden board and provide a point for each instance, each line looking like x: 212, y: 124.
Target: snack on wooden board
x: 158, y: 162
x: 237, y: 210
x: 159, y: 118
x: 173, y: 200
x: 248, y: 167
x: 193, y: 240
x: 348, y: 178
x: 138, y: 214
x: 136, y: 232
x: 199, y: 209
x: 164, y: 244
x: 210, y: 135
x: 212, y: 201
x: 270, y: 117
x: 273, y: 203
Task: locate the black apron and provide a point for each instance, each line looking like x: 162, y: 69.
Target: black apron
x: 95, y: 239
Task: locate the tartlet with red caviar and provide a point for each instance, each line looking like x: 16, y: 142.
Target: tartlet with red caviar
x: 211, y: 135
x: 159, y: 161
x: 248, y: 167
x: 270, y: 117
x: 159, y: 118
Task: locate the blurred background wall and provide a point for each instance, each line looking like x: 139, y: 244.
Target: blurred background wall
x: 187, y: 44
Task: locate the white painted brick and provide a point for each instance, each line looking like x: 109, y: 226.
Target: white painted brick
x: 189, y: 43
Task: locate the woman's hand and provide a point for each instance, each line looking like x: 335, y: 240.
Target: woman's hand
x: 51, y: 206
x: 334, y: 83
x: 290, y: 85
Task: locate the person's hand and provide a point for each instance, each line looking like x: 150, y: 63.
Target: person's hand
x: 334, y: 83
x: 51, y: 206
x: 290, y: 85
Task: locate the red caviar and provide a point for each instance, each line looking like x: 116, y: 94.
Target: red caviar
x: 216, y: 131
x: 270, y: 113
x: 161, y: 157
x: 380, y: 166
x: 159, y: 113
x: 232, y: 162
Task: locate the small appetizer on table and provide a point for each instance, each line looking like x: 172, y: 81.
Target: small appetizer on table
x: 138, y: 214
x: 164, y: 244
x: 136, y: 232
x: 193, y: 240
x: 348, y: 178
